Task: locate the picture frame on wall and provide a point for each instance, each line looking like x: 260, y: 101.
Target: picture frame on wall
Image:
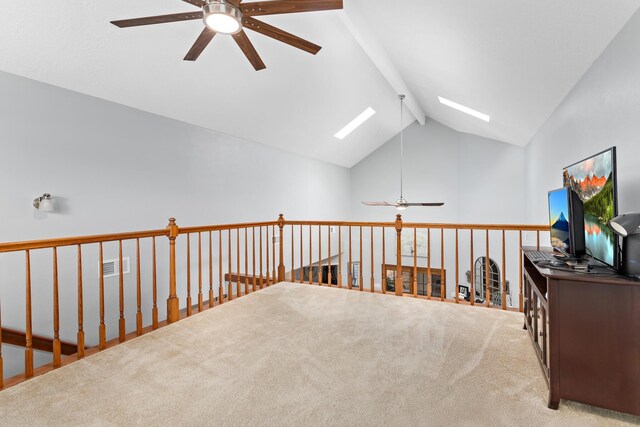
x: 409, y: 246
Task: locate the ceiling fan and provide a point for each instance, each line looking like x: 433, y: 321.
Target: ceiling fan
x: 401, y: 204
x: 230, y: 17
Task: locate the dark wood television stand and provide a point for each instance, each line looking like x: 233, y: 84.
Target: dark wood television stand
x: 585, y: 330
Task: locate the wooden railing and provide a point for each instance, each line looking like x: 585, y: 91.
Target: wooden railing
x: 244, y: 256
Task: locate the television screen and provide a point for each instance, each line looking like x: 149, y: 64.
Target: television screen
x: 559, y: 220
x: 594, y: 180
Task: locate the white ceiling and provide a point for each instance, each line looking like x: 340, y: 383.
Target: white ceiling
x: 515, y: 60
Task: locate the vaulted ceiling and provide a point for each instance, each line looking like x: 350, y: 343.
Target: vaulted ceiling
x: 513, y: 60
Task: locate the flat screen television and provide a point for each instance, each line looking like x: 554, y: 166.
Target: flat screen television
x: 594, y: 180
x: 566, y: 220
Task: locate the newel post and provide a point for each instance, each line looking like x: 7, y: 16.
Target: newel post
x: 173, y: 304
x: 399, y: 285
x: 281, y: 240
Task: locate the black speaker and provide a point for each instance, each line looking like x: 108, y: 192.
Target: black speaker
x: 631, y: 255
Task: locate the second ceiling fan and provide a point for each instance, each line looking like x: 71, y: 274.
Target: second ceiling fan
x: 402, y: 204
x: 232, y: 16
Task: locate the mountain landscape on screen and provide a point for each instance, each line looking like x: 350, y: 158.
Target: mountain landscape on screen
x: 593, y: 181
x: 560, y: 234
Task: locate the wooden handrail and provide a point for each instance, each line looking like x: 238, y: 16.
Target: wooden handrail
x: 224, y: 227
x: 82, y: 240
x: 340, y: 223
x: 446, y: 226
x: 102, y: 238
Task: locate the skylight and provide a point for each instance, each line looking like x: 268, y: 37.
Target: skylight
x: 355, y: 124
x: 464, y: 109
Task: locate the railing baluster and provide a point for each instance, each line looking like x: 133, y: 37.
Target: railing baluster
x: 274, y: 276
x: 268, y: 265
x: 220, y: 275
x: 211, y: 297
x: 320, y: 275
x: 56, y: 313
x: 80, y: 336
x: 189, y: 274
x: 520, y: 291
x: 457, y: 284
x: 293, y: 257
x: 301, y: 257
x: 28, y: 351
x: 261, y: 276
x: 138, y: 291
x: 253, y: 260
x: 538, y: 239
x: 415, y: 262
x: 102, y: 329
x: 443, y: 276
x: 330, y: 276
x: 200, y: 298
x: 230, y: 283
x: 373, y: 267
x: 487, y: 272
x: 246, y: 261
x: 238, y: 284
x: 310, y: 256
x: 360, y: 278
x: 154, y: 310
x: 121, y: 323
x: 350, y: 272
x: 429, y: 284
x: 340, y: 256
x: 383, y: 278
x: 504, y: 272
x: 472, y: 274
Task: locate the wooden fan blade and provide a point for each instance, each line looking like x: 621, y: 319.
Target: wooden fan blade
x: 382, y: 204
x: 249, y: 50
x: 236, y: 3
x: 201, y: 43
x: 278, y: 34
x: 161, y: 19
x: 197, y: 3
x: 425, y: 204
x: 277, y: 7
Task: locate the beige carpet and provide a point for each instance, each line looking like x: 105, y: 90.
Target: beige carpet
x: 304, y: 355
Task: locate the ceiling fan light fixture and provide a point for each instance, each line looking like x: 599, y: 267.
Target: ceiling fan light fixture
x: 402, y: 204
x: 222, y: 17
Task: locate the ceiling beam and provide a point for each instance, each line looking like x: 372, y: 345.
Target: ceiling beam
x: 364, y: 35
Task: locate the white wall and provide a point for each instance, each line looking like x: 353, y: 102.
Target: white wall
x: 480, y: 180
x: 601, y: 111
x: 114, y: 169
x: 471, y: 174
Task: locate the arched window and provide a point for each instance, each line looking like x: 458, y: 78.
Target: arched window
x: 495, y: 286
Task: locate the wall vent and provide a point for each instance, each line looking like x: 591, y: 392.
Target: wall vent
x: 275, y: 239
x: 111, y: 267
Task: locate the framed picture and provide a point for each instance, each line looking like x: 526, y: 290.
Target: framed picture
x: 464, y: 290
x: 355, y: 274
x: 409, y: 246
